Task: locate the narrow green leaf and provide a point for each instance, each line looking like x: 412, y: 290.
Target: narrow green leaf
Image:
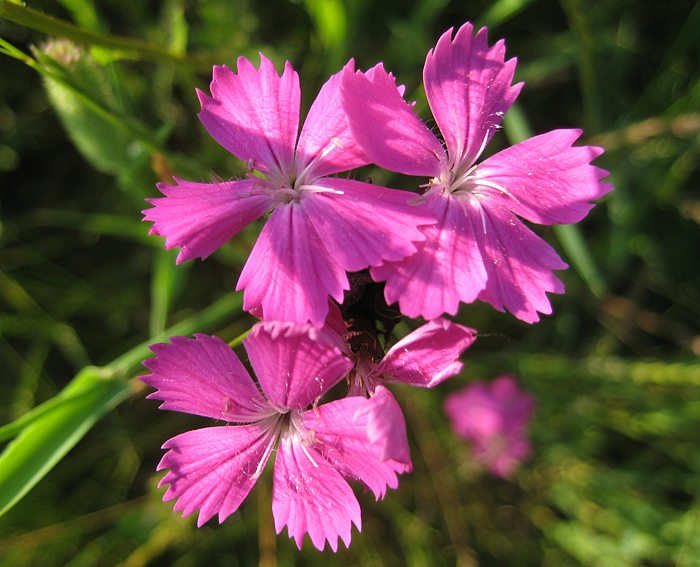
x: 66, y: 397
x: 84, y: 13
x: 573, y: 243
x: 176, y: 24
x: 501, y: 11
x: 239, y: 339
x: 8, y: 49
x: 516, y: 126
x: 42, y: 444
x: 578, y: 14
x: 167, y: 280
x: 120, y: 226
x: 106, y: 144
x: 330, y: 19
x: 47, y: 432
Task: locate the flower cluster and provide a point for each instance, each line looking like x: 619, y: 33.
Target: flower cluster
x: 339, y: 261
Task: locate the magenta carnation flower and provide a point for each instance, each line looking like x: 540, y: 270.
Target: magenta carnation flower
x: 319, y: 226
x: 494, y: 417
x: 213, y: 469
x: 479, y: 248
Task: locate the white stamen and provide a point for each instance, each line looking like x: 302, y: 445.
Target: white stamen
x: 320, y: 189
x: 483, y: 143
x: 300, y: 434
x: 335, y: 143
x: 273, y: 434
x: 306, y: 452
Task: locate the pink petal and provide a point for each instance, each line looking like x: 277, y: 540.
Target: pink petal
x: 326, y: 137
x: 519, y: 265
x: 386, y: 127
x: 482, y: 410
x: 386, y: 428
x: 340, y: 431
x: 446, y: 269
x: 494, y: 416
x: 367, y: 224
x: 336, y: 326
x: 471, y: 412
x: 475, y: 412
x: 311, y: 497
x: 200, y: 217
x: 504, y: 456
x: 254, y: 114
x: 213, y: 469
x: 545, y: 179
x: 428, y: 355
x: 290, y: 274
x: 295, y: 364
x: 469, y: 90
x: 203, y: 376
x: 516, y: 405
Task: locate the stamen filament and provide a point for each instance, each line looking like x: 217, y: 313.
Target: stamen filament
x: 335, y: 143
x: 319, y: 189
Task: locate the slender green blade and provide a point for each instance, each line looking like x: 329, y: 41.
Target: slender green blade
x: 167, y: 280
x: 46, y: 433
x: 44, y: 443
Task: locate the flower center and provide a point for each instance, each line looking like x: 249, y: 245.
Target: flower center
x: 362, y: 380
x: 466, y: 184
x: 298, y: 432
x: 286, y: 187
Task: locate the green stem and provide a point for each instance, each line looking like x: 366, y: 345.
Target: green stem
x: 132, y: 48
x: 239, y: 339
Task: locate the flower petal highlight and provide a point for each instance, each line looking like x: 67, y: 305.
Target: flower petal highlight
x: 446, y: 269
x: 545, y: 178
x: 290, y: 273
x: 519, y: 266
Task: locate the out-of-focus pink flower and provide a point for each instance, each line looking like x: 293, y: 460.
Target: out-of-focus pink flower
x: 494, y: 417
x: 479, y: 248
x: 319, y: 226
x: 213, y: 469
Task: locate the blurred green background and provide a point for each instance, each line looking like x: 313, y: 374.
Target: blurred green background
x: 98, y: 103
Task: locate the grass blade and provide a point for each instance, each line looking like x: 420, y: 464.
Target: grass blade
x: 41, y: 445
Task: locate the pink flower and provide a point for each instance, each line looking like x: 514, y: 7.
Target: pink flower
x: 479, y: 248
x: 494, y: 417
x: 319, y: 226
x: 213, y: 469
